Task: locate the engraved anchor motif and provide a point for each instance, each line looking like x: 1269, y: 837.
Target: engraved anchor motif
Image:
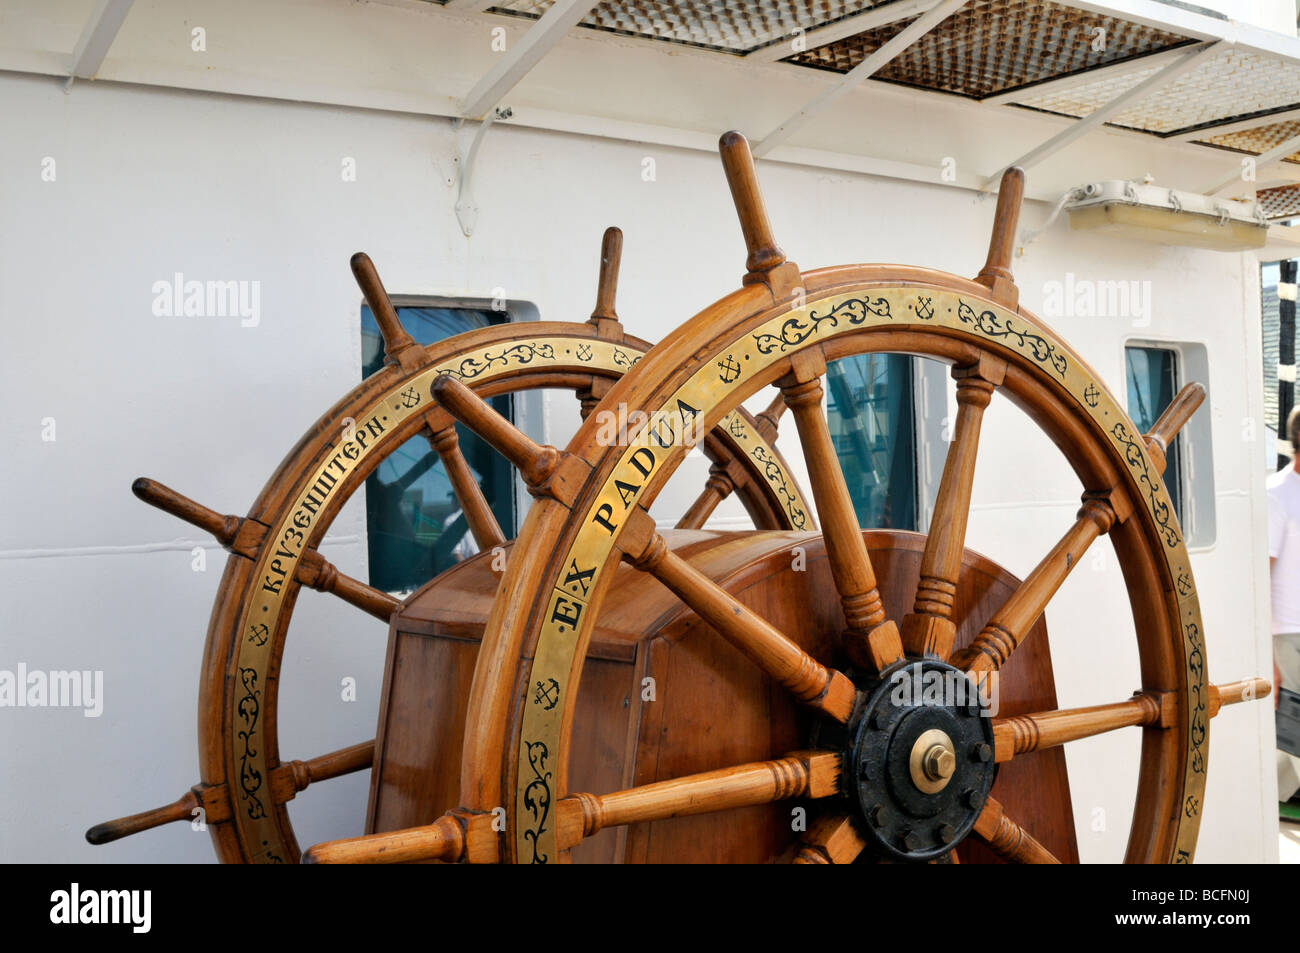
x: 547, y: 694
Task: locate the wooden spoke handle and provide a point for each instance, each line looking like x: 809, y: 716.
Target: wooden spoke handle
x: 1175, y: 417
x: 738, y: 164
x: 1008, y: 839
x: 179, y: 810
x: 224, y: 528
x: 1002, y: 243
x: 1248, y: 689
x: 534, y: 461
x: 611, y: 255
x: 397, y: 343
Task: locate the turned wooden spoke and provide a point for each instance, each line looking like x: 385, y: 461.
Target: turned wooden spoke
x: 811, y: 774
x: 545, y: 469
x: 1019, y: 734
x: 831, y: 840
x: 293, y: 776
x: 996, y: 273
x: 319, y: 573
x: 1011, y: 623
x: 458, y: 835
x: 724, y: 479
x: 243, y: 537
x: 817, y: 686
x: 871, y: 640
x: 1175, y: 417
x: 211, y: 803
x: 399, y: 347
x: 769, y: 418
x: 719, y: 485
x: 1008, y: 839
x: 766, y: 262
x: 482, y: 522
x: 929, y: 628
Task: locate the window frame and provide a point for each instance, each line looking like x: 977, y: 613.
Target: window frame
x: 527, y: 409
x: 1196, y: 449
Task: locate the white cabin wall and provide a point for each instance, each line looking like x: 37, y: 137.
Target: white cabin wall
x: 151, y: 182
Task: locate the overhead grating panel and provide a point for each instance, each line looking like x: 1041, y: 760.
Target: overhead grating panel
x: 725, y: 26
x: 992, y: 46
x: 1258, y: 139
x: 1280, y: 203
x: 1236, y: 84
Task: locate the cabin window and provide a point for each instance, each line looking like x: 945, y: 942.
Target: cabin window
x: 414, y: 526
x: 871, y: 408
x: 1154, y: 372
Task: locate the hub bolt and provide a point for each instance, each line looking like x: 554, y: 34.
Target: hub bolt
x: 981, y: 752
x: 946, y: 833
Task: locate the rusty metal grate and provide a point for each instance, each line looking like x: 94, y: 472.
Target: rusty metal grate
x: 1280, y: 203
x: 992, y: 46
x: 726, y: 26
x: 1259, y: 139
x: 1235, y: 84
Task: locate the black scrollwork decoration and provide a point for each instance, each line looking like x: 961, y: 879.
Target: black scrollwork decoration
x: 796, y: 330
x: 249, y: 710
x: 1149, y: 481
x: 992, y: 325
x: 537, y: 797
x: 1196, y: 672
x: 524, y: 352
x: 776, y: 477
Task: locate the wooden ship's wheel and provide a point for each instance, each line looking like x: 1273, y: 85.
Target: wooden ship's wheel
x: 760, y: 673
x: 245, y: 785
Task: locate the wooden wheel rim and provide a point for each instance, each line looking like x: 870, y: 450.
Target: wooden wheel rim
x: 247, y: 631
x: 516, y: 754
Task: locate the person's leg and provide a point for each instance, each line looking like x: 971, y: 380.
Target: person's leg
x: 1286, y: 655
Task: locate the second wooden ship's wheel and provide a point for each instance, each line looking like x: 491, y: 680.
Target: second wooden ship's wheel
x: 245, y: 789
x: 762, y: 671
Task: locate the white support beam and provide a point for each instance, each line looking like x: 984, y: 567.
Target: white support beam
x: 1189, y: 61
x: 1086, y: 77
x: 854, y: 77
x: 833, y: 32
x: 1276, y: 154
x: 1239, y: 125
x: 96, y: 38
x: 527, y: 53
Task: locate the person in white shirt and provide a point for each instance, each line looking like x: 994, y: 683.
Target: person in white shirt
x: 1284, y: 573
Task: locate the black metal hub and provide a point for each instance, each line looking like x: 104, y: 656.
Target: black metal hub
x: 919, y: 759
